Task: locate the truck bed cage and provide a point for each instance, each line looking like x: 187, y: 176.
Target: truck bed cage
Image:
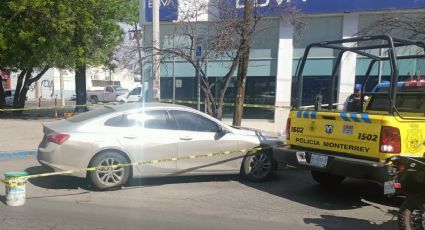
x: 360, y: 45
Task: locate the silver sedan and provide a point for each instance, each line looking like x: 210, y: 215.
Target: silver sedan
x: 137, y: 132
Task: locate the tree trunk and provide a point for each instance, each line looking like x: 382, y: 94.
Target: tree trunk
x: 246, y: 35
x: 2, y: 95
x: 18, y: 89
x: 240, y: 90
x: 80, y: 88
x: 24, y: 90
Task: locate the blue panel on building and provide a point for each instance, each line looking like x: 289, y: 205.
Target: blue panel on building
x: 270, y: 7
x: 168, y: 10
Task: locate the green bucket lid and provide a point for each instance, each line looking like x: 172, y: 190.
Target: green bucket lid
x: 15, y: 174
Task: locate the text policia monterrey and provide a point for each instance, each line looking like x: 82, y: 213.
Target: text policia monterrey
x: 332, y: 145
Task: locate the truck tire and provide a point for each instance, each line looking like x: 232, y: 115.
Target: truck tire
x: 108, y: 178
x: 412, y: 213
x: 94, y: 99
x: 327, y: 179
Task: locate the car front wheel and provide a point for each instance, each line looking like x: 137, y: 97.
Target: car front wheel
x: 257, y: 167
x: 108, y: 175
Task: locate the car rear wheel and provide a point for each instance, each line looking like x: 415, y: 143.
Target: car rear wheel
x: 108, y: 175
x: 257, y: 167
x: 412, y: 213
x: 327, y: 179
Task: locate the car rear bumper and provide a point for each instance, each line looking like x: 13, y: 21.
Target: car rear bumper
x: 48, y: 155
x: 340, y: 165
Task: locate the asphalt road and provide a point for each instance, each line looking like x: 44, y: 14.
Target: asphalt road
x: 290, y: 200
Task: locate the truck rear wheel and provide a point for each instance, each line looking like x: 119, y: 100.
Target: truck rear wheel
x: 412, y: 213
x: 327, y: 179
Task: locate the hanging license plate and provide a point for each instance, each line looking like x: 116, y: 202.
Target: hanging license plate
x: 389, y: 188
x: 319, y: 161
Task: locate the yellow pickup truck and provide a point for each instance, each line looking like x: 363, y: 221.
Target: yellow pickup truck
x: 335, y: 143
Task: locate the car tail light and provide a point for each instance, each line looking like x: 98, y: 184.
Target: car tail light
x: 58, y: 138
x: 390, y: 140
x: 288, y: 128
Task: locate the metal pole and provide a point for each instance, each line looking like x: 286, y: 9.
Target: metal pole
x: 198, y: 77
x: 138, y: 34
x: 380, y: 66
x: 206, y: 76
x: 155, y: 52
x: 174, y: 76
x: 62, y: 84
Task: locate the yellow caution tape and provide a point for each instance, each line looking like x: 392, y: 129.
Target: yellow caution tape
x: 161, y: 100
x: 226, y: 104
x: 15, y: 181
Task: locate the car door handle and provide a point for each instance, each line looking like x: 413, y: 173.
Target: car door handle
x: 186, y: 138
x: 130, y: 137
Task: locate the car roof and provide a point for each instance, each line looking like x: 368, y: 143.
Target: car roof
x: 148, y: 105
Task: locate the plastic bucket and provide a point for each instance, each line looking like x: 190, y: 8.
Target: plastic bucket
x: 15, y: 188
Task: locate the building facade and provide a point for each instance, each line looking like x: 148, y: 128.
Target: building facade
x: 277, y: 50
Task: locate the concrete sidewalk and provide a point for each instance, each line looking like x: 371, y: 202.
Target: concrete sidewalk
x: 17, y: 135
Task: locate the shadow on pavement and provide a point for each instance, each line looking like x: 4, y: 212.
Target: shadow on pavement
x: 180, y: 180
x: 55, y: 182
x: 68, y: 182
x: 329, y: 222
x: 298, y: 186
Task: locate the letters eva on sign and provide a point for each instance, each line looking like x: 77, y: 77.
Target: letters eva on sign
x: 168, y: 10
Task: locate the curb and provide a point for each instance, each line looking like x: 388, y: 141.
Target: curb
x: 18, y: 154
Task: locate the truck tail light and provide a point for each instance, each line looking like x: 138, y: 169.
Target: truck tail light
x: 288, y: 128
x: 390, y: 140
x: 58, y: 138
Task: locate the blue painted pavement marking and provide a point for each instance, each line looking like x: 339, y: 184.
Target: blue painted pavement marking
x: 19, y: 154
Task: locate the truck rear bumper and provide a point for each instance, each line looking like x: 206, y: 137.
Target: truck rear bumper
x: 340, y: 165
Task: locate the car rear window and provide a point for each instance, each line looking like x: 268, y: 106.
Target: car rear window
x: 91, y: 114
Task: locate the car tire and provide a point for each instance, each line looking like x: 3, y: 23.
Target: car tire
x: 257, y: 167
x: 103, y: 179
x: 94, y: 100
x: 412, y: 213
x: 327, y: 179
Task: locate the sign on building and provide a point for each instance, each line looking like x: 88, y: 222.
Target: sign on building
x: 168, y: 10
x: 268, y: 7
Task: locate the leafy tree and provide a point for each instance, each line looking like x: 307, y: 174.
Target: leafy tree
x: 39, y: 34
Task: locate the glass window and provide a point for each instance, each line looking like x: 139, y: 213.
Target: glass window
x: 117, y: 87
x: 109, y: 89
x: 91, y: 114
x: 9, y: 93
x: 123, y: 120
x: 136, y: 91
x: 158, y: 119
x: 193, y: 122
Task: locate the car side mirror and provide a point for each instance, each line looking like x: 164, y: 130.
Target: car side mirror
x: 220, y: 133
